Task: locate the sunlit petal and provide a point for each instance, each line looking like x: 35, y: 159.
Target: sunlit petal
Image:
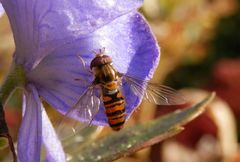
x: 54, y: 150
x: 41, y: 26
x: 1, y: 10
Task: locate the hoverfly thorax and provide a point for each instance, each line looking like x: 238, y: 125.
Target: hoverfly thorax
x: 103, y: 70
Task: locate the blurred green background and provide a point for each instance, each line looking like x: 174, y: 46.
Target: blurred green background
x: 200, y: 52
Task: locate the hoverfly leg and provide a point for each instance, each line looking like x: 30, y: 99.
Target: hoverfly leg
x: 102, y: 50
x: 85, y: 68
x: 99, y: 51
x: 84, y: 64
x: 82, y: 80
x: 120, y: 75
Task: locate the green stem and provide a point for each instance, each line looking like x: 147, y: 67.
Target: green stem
x: 15, y: 78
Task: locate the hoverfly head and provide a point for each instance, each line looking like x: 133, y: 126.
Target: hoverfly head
x: 100, y: 59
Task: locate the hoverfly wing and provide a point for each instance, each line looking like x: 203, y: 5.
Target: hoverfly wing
x: 154, y: 93
x: 85, y: 109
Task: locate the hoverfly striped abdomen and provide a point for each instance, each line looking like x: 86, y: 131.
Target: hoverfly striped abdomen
x: 115, y: 108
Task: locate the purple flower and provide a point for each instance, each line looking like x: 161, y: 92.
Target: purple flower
x: 49, y: 36
x: 1, y: 10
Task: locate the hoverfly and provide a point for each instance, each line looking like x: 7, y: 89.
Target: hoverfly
x: 106, y: 88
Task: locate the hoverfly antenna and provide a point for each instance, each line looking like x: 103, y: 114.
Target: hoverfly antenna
x: 102, y: 50
x: 95, y: 52
x: 99, y: 52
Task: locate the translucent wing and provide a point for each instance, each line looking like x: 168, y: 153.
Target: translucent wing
x: 154, y: 93
x: 85, y: 109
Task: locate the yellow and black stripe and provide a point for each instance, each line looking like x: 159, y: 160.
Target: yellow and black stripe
x: 115, y: 109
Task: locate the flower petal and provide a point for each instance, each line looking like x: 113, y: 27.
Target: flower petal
x: 54, y: 150
x: 130, y: 43
x: 30, y: 132
x: 1, y: 10
x: 40, y: 26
